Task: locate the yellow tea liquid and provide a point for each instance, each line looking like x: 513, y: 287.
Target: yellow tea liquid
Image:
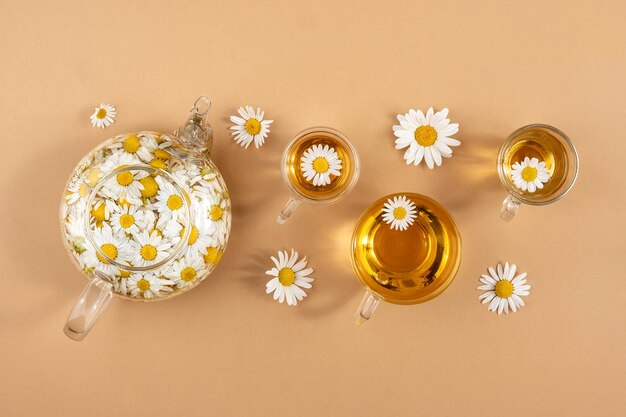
x: 410, y: 266
x: 295, y: 176
x: 537, y: 142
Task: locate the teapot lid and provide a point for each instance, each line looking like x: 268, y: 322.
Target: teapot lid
x: 170, y: 214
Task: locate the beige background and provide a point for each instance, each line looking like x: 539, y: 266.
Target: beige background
x: 226, y: 349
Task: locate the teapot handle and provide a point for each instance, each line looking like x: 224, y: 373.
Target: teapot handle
x: 368, y: 306
x: 92, y: 302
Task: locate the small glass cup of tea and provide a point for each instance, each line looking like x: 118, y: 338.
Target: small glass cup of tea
x: 537, y: 165
x: 320, y: 166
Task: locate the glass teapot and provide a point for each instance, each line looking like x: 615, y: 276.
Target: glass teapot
x: 145, y: 216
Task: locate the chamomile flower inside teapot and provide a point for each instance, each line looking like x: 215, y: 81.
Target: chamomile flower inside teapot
x: 145, y: 216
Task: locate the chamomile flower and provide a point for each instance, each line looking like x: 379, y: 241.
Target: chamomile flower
x: 171, y: 229
x: 115, y: 247
x: 169, y: 202
x: 126, y: 186
x: 185, y: 271
x: 217, y: 216
x: 199, y: 239
x: 212, y: 255
x: 120, y: 282
x: 128, y: 219
x: 100, y: 211
x: 319, y: 162
x: 399, y: 212
x: 148, y: 145
x: 185, y: 174
x: 147, y: 285
x: 103, y: 116
x: 78, y: 188
x: 289, y: 277
x: 206, y: 183
x: 250, y: 126
x: 75, y: 228
x: 502, y: 290
x: 149, y: 249
x: 119, y: 159
x: 530, y: 174
x: 426, y: 136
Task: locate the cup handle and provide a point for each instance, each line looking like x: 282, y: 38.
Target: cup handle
x: 368, y: 305
x: 288, y: 210
x: 510, y: 205
x: 92, y: 302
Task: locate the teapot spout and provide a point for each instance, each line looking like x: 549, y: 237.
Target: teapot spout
x: 196, y: 136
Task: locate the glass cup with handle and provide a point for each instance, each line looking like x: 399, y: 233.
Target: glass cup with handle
x: 410, y: 262
x: 537, y: 165
x: 319, y: 166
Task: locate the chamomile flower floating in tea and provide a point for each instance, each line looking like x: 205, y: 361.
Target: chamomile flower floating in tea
x: 400, y: 212
x: 319, y: 163
x: 103, y: 116
x: 290, y: 277
x: 250, y: 127
x: 530, y: 174
x: 426, y: 136
x: 503, y: 290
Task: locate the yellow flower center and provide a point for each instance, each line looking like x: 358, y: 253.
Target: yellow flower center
x: 143, y: 284
x: 425, y: 135
x: 193, y: 235
x: 98, y: 213
x: 83, y: 190
x: 131, y: 144
x: 125, y: 178
x: 161, y: 154
x: 123, y: 273
x: 188, y: 274
x: 212, y: 255
x: 504, y: 288
x: 216, y: 212
x: 148, y: 252
x: 399, y: 213
x: 127, y: 220
x: 158, y: 164
x: 102, y: 113
x: 174, y: 202
x: 529, y: 174
x: 94, y: 176
x: 286, y: 276
x: 109, y: 250
x: 150, y: 187
x: 253, y: 126
x: 320, y: 165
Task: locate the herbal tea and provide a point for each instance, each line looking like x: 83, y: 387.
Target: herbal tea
x: 541, y: 182
x: 319, y: 165
x: 407, y: 266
